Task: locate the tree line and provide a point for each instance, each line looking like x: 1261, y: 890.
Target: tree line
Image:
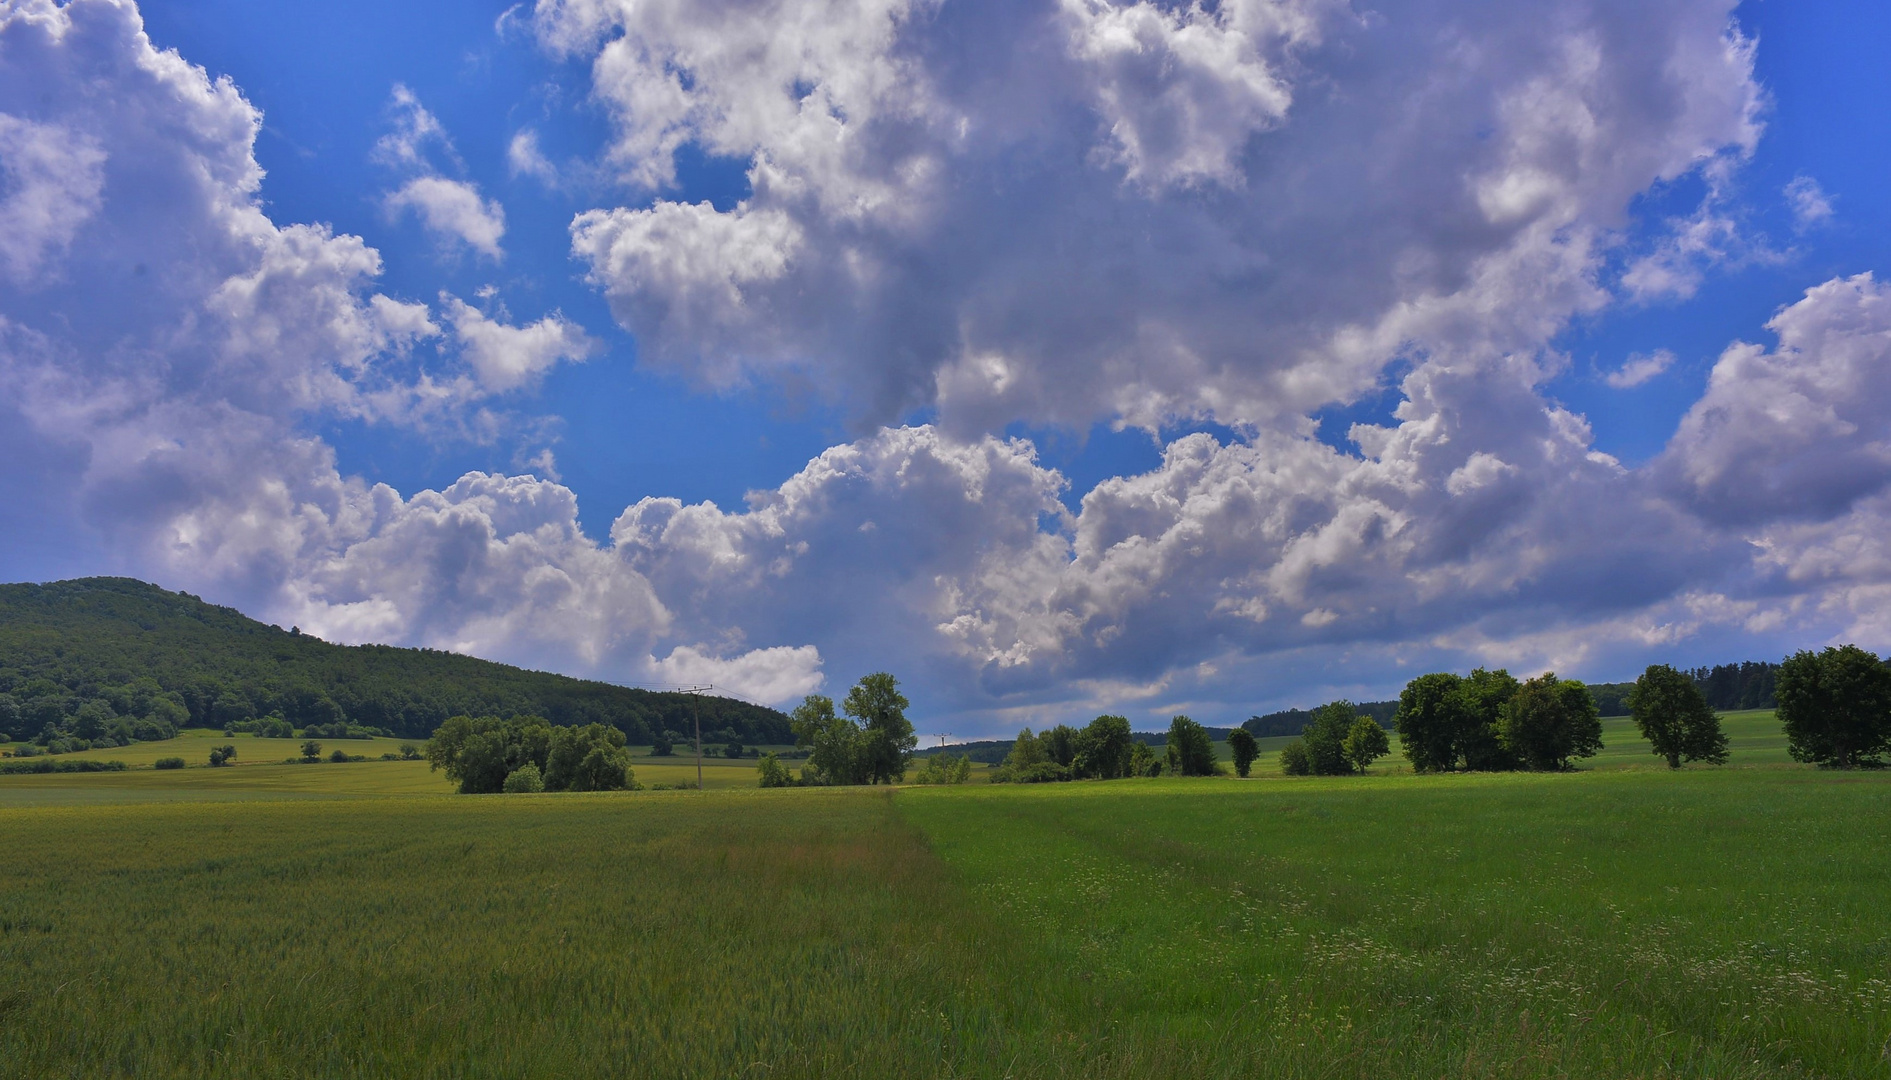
x: 524, y: 754
x: 109, y: 661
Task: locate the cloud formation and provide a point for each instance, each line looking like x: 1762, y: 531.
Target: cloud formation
x: 1067, y: 211
x: 452, y: 210
x: 171, y: 343
x: 1054, y: 212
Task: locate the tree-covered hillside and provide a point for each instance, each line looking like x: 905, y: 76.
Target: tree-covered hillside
x: 111, y: 659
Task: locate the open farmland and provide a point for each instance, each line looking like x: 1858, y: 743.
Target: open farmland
x: 1712, y: 923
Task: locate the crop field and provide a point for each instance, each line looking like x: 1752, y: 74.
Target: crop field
x: 1715, y: 923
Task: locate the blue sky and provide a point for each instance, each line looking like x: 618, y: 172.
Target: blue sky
x: 1020, y: 349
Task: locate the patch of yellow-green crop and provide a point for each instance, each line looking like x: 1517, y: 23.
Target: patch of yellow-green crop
x: 1709, y: 923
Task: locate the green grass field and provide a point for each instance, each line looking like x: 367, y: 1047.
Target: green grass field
x: 351, y: 920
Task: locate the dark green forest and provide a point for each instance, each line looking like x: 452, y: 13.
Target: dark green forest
x: 104, y: 661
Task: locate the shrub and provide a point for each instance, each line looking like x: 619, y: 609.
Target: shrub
x: 944, y: 769
x: 1294, y: 760
x: 524, y: 780
x: 311, y: 751
x: 168, y: 763
x: 339, y: 757
x: 773, y: 773
x: 733, y: 750
x: 1241, y: 743
x: 1143, y: 761
x: 410, y: 752
x: 222, y: 756
x: 11, y: 768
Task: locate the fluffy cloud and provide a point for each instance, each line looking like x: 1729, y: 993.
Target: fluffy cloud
x: 163, y: 345
x: 1092, y: 209
x: 1054, y: 211
x: 453, y: 210
x: 1801, y: 430
x: 507, y: 357
x: 1639, y: 369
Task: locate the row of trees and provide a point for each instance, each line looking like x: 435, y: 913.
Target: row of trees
x: 1489, y: 721
x: 489, y: 754
x: 1834, y: 705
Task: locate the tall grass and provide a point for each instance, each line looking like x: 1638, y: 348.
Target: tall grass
x: 1713, y: 923
x: 766, y: 934
x: 1730, y: 923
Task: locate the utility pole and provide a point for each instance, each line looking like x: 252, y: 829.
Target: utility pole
x: 696, y: 694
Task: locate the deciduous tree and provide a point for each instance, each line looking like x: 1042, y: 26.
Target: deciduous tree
x: 888, y: 739
x: 1836, y: 707
x: 1245, y: 749
x: 1548, y: 722
x: 1674, y: 717
x: 1365, y: 743
x: 1191, y: 751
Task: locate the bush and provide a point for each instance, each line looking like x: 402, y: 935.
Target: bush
x: 524, y: 780
x: 221, y: 756
x: 14, y: 768
x: 773, y: 773
x: 339, y: 757
x: 944, y: 769
x: 409, y: 752
x: 1294, y: 760
x: 733, y: 750
x: 168, y: 763
x: 1242, y: 745
x: 311, y: 752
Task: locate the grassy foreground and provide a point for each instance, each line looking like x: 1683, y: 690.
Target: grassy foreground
x: 1713, y: 923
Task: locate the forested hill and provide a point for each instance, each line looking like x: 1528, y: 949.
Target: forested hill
x: 124, y: 655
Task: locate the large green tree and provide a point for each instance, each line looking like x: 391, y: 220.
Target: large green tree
x: 1548, y: 722
x: 1674, y: 717
x: 1836, y: 707
x: 588, y: 758
x: 1191, y: 751
x: 832, y: 742
x: 1480, y: 742
x: 480, y: 752
x: 1325, y: 739
x: 1430, y: 716
x: 887, y: 736
x: 1103, y: 749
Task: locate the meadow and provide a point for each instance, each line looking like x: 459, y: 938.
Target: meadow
x: 1620, y: 921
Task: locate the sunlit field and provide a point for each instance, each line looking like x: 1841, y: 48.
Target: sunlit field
x: 354, y: 919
